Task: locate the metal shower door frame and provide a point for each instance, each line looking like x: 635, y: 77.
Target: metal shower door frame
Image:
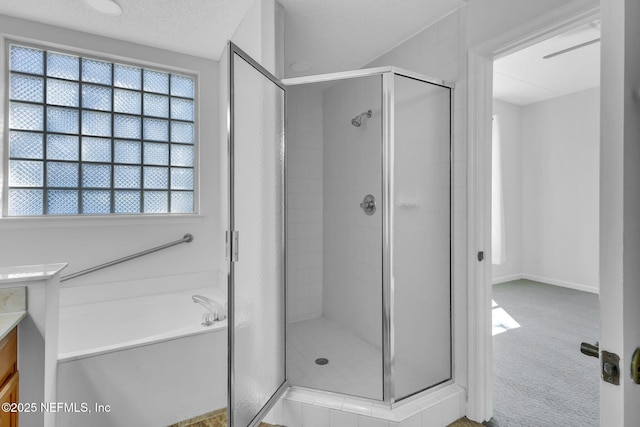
x: 232, y: 233
x: 388, y: 300
x: 388, y: 142
x: 388, y: 233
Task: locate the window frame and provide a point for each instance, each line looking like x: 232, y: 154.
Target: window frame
x: 5, y: 44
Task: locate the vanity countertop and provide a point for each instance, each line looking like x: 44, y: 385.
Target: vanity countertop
x: 29, y: 272
x: 8, y: 321
x: 13, y: 308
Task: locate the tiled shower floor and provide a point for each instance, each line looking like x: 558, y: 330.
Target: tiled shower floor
x: 354, y: 367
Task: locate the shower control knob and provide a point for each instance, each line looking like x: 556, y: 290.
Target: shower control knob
x: 368, y: 205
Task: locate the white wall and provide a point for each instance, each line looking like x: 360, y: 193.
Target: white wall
x: 352, y: 168
x: 438, y: 51
x: 561, y: 190
x: 86, y: 241
x: 509, y: 117
x: 261, y: 34
x: 304, y: 203
x: 550, y: 167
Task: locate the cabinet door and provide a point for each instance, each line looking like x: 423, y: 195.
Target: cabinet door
x: 9, y: 394
x: 8, y: 356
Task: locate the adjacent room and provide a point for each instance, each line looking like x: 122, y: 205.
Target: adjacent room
x: 545, y: 230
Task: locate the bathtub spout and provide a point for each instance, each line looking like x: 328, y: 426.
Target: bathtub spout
x: 215, y: 311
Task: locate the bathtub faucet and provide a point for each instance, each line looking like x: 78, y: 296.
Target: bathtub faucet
x: 215, y: 311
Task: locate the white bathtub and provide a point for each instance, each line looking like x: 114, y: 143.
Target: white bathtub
x: 148, y: 358
x: 102, y: 327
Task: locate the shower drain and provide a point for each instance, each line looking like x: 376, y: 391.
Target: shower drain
x: 322, y: 361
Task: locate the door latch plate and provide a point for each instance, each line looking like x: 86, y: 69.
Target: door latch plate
x: 610, y: 363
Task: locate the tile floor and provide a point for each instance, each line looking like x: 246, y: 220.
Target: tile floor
x: 354, y: 368
x: 216, y: 418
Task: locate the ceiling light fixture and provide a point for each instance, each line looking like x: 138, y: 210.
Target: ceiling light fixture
x: 569, y: 49
x: 108, y: 7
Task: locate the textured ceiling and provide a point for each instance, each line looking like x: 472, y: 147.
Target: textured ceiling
x: 195, y: 27
x: 524, y: 77
x: 329, y: 35
x: 337, y: 35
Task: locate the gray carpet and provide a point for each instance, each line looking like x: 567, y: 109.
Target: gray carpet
x: 540, y: 377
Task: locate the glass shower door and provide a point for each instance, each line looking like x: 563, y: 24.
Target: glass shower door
x: 256, y: 278
x: 421, y: 212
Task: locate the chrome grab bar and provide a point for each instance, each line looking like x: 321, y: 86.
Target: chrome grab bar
x: 186, y: 239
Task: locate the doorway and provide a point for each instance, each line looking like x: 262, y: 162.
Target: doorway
x: 544, y: 229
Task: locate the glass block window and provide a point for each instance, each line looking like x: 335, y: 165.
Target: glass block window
x: 90, y: 137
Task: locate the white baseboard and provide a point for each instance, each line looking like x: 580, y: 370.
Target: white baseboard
x: 504, y: 279
x: 562, y: 283
x: 547, y: 280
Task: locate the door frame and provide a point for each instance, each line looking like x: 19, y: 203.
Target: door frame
x: 479, y: 104
x: 231, y: 234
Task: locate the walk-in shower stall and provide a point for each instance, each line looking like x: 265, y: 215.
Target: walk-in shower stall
x: 369, y: 233
x: 346, y: 179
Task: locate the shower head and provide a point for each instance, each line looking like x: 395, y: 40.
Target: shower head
x: 357, y: 121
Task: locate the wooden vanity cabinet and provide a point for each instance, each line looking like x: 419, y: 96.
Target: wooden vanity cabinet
x: 9, y: 377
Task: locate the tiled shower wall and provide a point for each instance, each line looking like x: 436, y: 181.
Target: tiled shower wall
x: 304, y: 203
x: 352, y: 167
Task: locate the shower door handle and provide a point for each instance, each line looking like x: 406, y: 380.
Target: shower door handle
x: 368, y: 205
